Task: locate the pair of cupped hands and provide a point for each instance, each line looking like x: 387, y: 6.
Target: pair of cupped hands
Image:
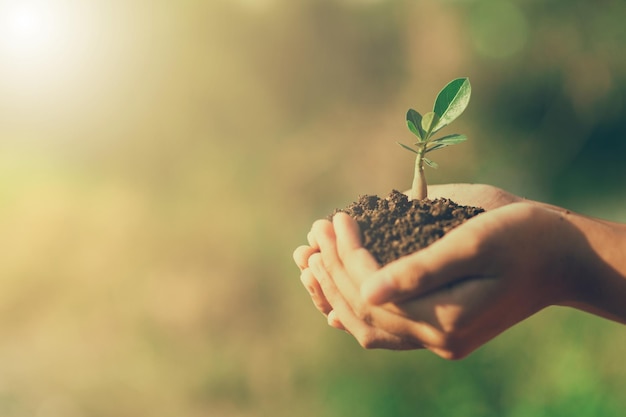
x: 480, y: 279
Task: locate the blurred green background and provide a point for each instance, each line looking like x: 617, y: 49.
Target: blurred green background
x: 159, y: 161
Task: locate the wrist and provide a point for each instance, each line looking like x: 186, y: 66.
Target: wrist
x: 596, y: 276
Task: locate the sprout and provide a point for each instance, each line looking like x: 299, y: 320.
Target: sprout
x: 450, y: 103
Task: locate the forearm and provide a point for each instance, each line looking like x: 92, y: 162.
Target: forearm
x: 599, y: 278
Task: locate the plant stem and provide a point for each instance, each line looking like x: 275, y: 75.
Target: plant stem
x: 419, y: 191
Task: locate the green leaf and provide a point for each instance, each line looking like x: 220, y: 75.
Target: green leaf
x: 452, y: 139
x: 435, y: 147
x: 408, y: 148
x: 414, y: 122
x: 414, y: 129
x: 452, y: 101
x: 446, y: 141
x: 431, y: 164
x: 428, y: 121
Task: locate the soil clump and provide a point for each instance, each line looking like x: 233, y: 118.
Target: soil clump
x: 393, y: 226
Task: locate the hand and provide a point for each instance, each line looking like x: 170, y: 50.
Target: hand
x: 477, y: 281
x: 478, y: 195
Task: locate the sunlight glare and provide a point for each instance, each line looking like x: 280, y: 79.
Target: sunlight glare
x: 47, y: 60
x: 41, y: 45
x: 29, y: 27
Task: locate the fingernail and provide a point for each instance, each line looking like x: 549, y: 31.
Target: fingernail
x: 333, y: 321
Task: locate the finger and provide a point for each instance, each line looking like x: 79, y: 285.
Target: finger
x: 328, y: 270
x: 324, y: 233
x: 456, y: 256
x: 301, y: 256
x: 373, y: 327
x: 311, y: 236
x: 341, y: 279
x: 343, y: 317
x: 349, y: 230
x: 334, y: 321
x: 315, y: 291
x: 358, y: 261
x: 334, y: 298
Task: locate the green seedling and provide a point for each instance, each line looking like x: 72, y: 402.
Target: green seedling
x: 450, y: 103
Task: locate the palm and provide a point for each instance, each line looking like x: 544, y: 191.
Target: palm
x: 479, y: 195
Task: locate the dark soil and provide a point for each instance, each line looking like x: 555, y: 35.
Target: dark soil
x: 392, y: 227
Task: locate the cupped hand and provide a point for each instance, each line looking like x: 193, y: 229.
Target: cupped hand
x: 478, y: 195
x: 453, y: 296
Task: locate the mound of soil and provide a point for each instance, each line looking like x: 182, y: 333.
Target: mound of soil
x: 392, y: 227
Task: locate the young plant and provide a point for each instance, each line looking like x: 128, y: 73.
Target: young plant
x: 450, y: 103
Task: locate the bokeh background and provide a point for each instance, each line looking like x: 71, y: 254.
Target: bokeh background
x: 160, y: 160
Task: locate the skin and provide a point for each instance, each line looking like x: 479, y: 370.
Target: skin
x: 483, y: 277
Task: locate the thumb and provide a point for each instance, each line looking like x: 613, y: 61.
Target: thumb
x: 357, y: 260
x: 452, y: 258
